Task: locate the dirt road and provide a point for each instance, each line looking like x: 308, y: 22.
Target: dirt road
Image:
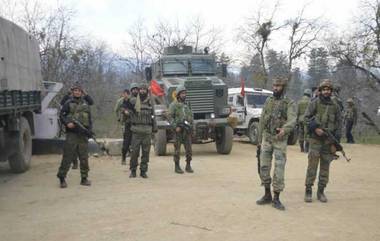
x: 217, y: 202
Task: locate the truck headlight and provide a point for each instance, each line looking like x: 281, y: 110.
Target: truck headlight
x: 226, y: 111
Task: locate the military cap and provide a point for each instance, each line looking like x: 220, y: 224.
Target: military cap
x: 133, y: 86
x: 279, y: 81
x: 76, y: 85
x: 350, y: 100
x: 326, y: 83
x: 144, y: 86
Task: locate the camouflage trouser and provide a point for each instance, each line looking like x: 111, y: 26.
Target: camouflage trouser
x: 142, y: 140
x: 268, y: 148
x: 182, y: 138
x: 75, y: 145
x: 319, y: 153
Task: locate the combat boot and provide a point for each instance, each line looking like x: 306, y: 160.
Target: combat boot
x: 308, y: 194
x: 143, y: 174
x: 85, y: 182
x: 320, y: 195
x: 75, y: 164
x: 188, y: 168
x: 62, y: 182
x: 276, y: 202
x: 266, y: 199
x: 133, y: 174
x: 177, y: 168
x: 301, y: 146
x: 123, y: 157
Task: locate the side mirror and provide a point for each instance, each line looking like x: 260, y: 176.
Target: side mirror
x: 224, y: 70
x: 148, y: 74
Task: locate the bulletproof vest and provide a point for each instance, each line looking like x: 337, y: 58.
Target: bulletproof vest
x: 275, y: 114
x: 350, y: 113
x: 80, y: 111
x: 144, y: 117
x: 302, y: 105
x: 182, y: 112
x: 326, y: 114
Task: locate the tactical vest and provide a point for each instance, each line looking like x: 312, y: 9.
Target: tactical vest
x: 326, y: 115
x: 80, y: 111
x: 275, y: 114
x: 302, y: 105
x: 144, y: 117
x: 182, y: 113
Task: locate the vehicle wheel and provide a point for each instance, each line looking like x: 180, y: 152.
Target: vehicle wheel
x: 253, y: 132
x: 160, y: 143
x: 293, y: 136
x: 19, y: 161
x: 223, y: 139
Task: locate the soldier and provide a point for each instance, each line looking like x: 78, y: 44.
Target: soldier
x: 75, y: 109
x: 302, y: 105
x: 181, y: 118
x: 123, y: 119
x: 87, y: 98
x: 127, y: 133
x: 350, y: 119
x: 141, y: 115
x: 277, y: 120
x: 322, y: 114
x: 118, y: 106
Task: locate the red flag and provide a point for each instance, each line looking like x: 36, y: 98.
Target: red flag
x: 156, y: 89
x: 242, y: 92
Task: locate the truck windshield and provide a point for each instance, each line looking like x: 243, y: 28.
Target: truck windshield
x: 202, y: 66
x: 256, y: 100
x: 175, y: 67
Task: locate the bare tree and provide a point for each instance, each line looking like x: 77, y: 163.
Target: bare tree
x: 361, y: 49
x: 255, y: 34
x: 203, y: 36
x: 303, y: 33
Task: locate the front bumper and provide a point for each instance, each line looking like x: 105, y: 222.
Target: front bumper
x: 207, y: 123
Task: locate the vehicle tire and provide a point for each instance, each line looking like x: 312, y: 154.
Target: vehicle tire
x: 293, y: 136
x: 19, y: 161
x: 253, y: 132
x: 223, y: 140
x: 160, y: 143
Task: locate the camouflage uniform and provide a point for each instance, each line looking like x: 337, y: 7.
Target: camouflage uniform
x: 76, y: 143
x: 350, y: 119
x: 321, y: 113
x: 301, y: 108
x: 277, y: 113
x: 142, y: 125
x: 180, y: 112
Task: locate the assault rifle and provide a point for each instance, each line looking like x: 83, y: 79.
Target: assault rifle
x: 258, y: 153
x: 336, y: 144
x: 185, y: 125
x: 88, y: 133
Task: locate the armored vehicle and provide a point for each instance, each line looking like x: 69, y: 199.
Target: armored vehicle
x: 206, y: 96
x: 23, y: 98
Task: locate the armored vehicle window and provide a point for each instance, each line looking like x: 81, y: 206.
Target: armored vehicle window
x: 256, y: 100
x: 202, y: 66
x: 240, y: 101
x: 230, y: 100
x: 174, y: 67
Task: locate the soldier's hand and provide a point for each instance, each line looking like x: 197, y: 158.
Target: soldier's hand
x: 70, y: 125
x: 126, y: 112
x: 178, y: 129
x: 319, y: 132
x: 281, y: 132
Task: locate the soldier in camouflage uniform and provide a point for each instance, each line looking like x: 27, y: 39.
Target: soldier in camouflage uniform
x: 181, y: 119
x: 322, y: 114
x: 302, y: 105
x: 350, y: 119
x: 277, y: 120
x: 76, y: 143
x: 141, y: 114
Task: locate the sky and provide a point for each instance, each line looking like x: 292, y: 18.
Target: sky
x: 108, y: 20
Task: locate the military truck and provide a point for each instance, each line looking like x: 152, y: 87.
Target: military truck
x: 206, y: 95
x: 22, y: 96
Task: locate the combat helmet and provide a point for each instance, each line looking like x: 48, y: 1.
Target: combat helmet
x: 325, y: 83
x: 76, y: 85
x: 307, y: 92
x: 279, y: 81
x: 144, y: 86
x: 179, y: 89
x: 133, y: 86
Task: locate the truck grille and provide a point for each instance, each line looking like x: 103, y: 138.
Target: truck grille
x: 200, y: 100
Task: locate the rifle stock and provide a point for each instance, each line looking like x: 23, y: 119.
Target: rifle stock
x: 336, y: 143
